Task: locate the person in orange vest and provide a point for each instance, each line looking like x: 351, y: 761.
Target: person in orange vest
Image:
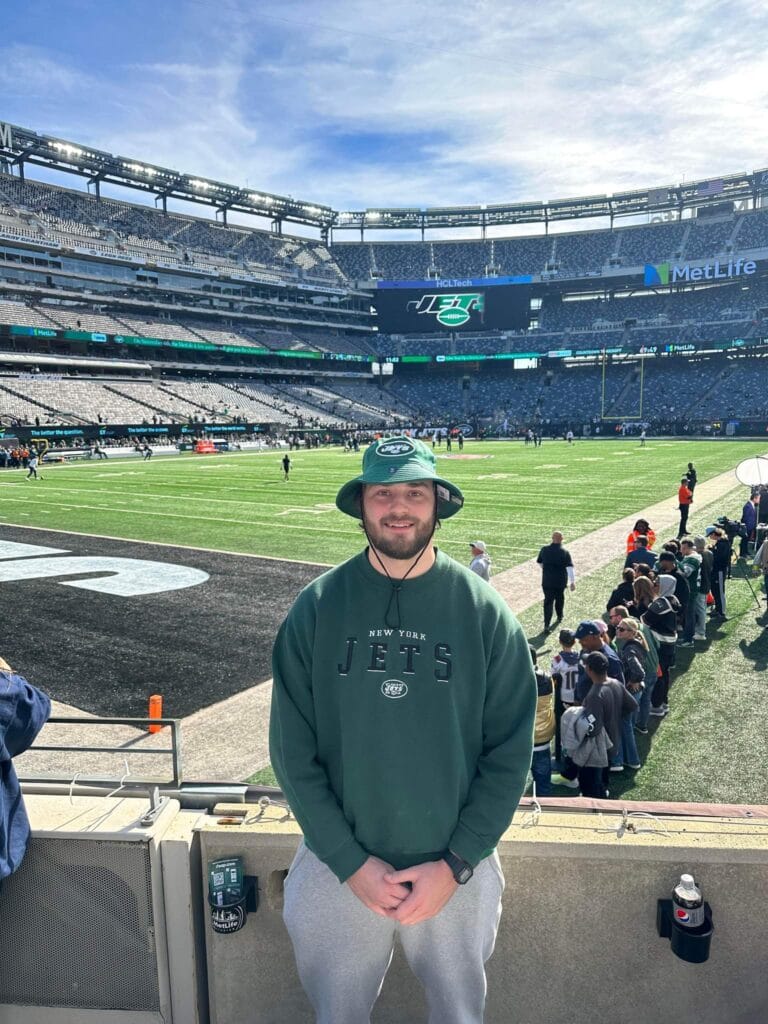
x: 684, y: 499
x: 641, y: 528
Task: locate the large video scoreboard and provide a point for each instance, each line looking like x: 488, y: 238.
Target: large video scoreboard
x: 468, y: 304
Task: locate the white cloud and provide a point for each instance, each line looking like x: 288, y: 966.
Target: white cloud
x: 484, y: 102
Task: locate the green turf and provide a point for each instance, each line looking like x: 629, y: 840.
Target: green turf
x: 712, y: 746
x: 239, y: 502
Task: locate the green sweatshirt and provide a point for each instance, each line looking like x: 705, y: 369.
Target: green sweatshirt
x: 401, y: 742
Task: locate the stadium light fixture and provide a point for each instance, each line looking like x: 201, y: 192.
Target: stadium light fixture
x: 141, y: 169
x: 202, y: 185
x: 64, y: 147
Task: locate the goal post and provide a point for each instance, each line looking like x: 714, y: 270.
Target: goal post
x: 615, y: 414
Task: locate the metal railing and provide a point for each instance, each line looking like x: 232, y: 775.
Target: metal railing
x: 81, y: 779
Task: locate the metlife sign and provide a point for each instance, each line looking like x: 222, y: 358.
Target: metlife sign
x: 660, y: 274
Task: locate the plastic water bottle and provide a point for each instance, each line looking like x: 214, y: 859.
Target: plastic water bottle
x: 688, y: 903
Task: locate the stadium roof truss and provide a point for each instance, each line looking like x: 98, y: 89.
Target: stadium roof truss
x: 666, y: 199
x: 20, y: 146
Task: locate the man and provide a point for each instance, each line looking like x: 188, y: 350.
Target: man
x: 616, y: 615
x: 606, y: 702
x: 641, y: 554
x: 692, y: 477
x: 721, y: 563
x: 667, y: 565
x: 24, y: 710
x: 591, y: 640
x: 749, y: 519
x: 481, y: 562
x: 684, y: 500
x: 690, y: 567
x: 557, y: 573
x: 32, y: 465
x: 401, y: 733
x: 286, y: 464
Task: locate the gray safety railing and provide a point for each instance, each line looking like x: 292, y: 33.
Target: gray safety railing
x: 102, y: 781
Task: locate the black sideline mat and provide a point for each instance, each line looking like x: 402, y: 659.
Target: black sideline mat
x: 107, y: 653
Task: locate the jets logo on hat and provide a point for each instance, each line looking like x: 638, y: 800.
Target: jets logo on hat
x: 395, y: 449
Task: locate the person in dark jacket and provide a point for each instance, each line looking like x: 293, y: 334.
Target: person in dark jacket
x: 668, y: 565
x: 691, y: 476
x: 721, y: 564
x: 591, y: 640
x: 624, y: 593
x: 557, y: 573
x: 640, y: 553
x: 762, y: 508
x: 661, y: 619
x: 749, y: 519
x: 24, y: 710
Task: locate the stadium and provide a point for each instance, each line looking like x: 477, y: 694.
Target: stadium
x: 162, y: 363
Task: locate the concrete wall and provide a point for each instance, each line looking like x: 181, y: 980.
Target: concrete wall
x: 577, y: 942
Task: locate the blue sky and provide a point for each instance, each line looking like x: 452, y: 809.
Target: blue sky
x: 361, y: 104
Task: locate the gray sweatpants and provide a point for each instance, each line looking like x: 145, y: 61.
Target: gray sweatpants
x: 343, y: 949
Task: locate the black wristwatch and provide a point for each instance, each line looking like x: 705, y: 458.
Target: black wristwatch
x: 462, y: 871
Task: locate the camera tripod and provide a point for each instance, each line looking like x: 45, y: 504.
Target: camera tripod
x: 740, y: 570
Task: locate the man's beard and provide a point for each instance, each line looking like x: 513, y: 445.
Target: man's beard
x: 397, y: 546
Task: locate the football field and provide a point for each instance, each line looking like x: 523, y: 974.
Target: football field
x: 124, y: 578
x: 238, y: 502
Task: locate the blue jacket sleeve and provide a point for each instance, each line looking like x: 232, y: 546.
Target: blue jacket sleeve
x: 24, y: 710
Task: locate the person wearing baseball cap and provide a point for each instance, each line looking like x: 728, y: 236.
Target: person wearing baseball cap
x: 481, y: 560
x: 401, y: 733
x: 592, y: 639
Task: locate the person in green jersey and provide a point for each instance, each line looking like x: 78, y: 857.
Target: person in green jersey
x: 401, y: 734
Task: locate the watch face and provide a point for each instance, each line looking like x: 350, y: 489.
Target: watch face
x: 462, y: 872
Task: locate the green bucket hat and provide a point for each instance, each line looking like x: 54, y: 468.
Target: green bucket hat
x: 399, y: 460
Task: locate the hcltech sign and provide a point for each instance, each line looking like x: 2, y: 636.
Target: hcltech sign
x: 674, y: 273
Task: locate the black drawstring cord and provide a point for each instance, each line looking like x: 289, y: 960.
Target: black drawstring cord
x: 397, y: 585
x: 394, y: 595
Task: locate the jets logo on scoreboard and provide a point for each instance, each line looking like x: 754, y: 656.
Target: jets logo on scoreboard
x: 451, y: 309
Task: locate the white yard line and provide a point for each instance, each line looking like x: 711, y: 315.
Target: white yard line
x: 229, y: 740
x: 166, y: 544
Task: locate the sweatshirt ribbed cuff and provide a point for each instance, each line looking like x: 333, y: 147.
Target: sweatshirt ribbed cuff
x: 346, y: 860
x: 468, y: 846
